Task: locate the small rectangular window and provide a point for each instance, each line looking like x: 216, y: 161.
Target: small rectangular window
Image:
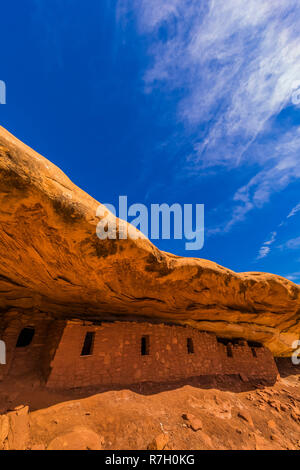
x: 253, y: 352
x: 145, y: 345
x: 25, y: 337
x: 88, y: 345
x: 229, y: 350
x: 190, y: 346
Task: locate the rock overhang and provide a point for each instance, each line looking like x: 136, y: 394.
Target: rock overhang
x: 53, y: 262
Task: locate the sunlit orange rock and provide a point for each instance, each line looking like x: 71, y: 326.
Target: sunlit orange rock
x: 53, y: 262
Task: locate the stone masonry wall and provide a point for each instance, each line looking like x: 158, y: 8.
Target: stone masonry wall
x: 116, y: 356
x: 27, y: 360
x: 54, y: 335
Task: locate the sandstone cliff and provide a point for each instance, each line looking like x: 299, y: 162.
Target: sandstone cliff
x: 52, y: 261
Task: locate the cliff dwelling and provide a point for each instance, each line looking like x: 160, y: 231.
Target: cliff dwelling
x: 75, y: 353
x: 78, y: 311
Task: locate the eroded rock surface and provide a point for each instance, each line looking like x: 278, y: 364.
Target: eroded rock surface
x: 53, y: 262
x: 186, y: 417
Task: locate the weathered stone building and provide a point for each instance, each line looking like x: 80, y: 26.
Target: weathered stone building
x: 71, y: 354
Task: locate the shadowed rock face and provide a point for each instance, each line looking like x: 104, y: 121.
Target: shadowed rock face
x: 53, y: 262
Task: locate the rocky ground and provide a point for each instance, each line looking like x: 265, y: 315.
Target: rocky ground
x: 231, y: 414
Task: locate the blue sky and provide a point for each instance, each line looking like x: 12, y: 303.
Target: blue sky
x: 175, y: 101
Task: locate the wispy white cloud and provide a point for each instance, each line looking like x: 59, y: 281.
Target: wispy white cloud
x: 272, y: 239
x: 236, y: 64
x: 242, y: 54
x: 265, y: 248
x: 292, y: 244
x: 294, y: 211
x: 295, y: 277
x: 263, y: 252
x: 283, y: 167
x: 150, y: 13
